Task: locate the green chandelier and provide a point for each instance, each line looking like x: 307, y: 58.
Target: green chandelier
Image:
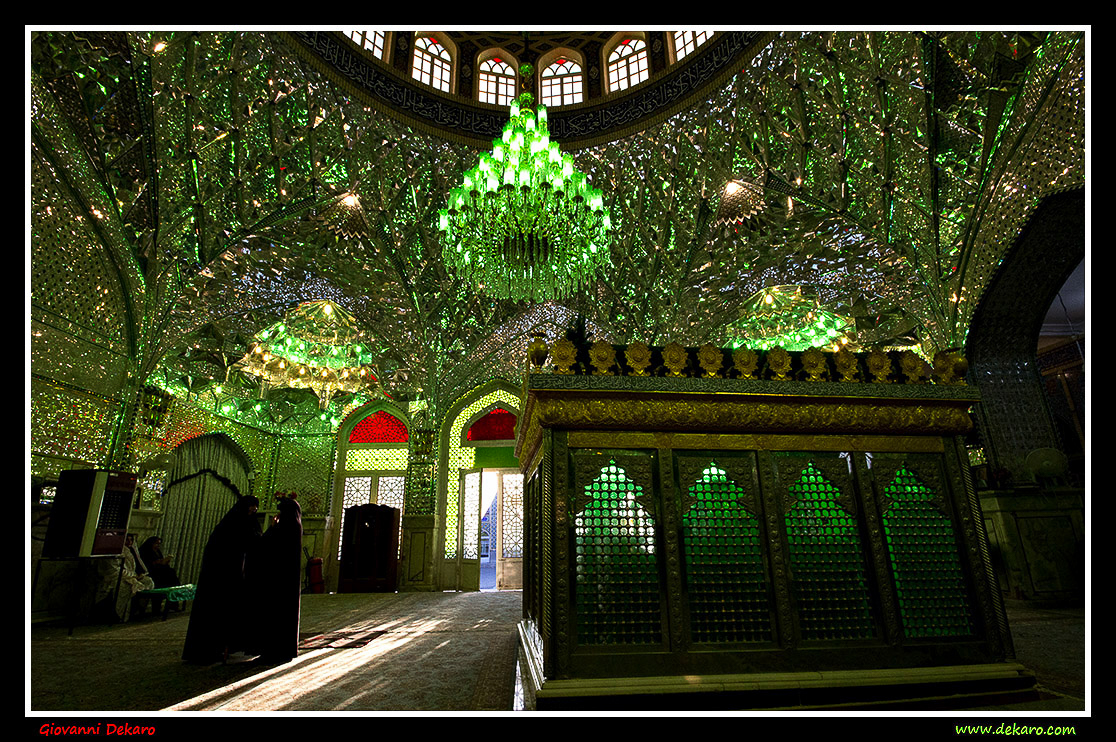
x: 317, y: 346
x: 525, y: 224
x: 787, y: 317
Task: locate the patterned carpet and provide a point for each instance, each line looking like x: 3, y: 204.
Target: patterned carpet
x: 409, y: 652
x: 361, y: 652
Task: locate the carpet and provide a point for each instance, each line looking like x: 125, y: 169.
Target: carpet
x: 337, y: 640
x: 358, y: 652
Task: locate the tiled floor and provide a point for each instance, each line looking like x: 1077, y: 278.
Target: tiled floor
x: 437, y: 651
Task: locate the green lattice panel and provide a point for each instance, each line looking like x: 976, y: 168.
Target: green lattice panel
x: 376, y: 459
x: 512, y: 517
x: 725, y: 576
x: 827, y: 562
x: 470, y: 501
x: 617, y: 593
x: 933, y: 598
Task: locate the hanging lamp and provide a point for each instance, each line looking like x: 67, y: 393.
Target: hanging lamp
x: 790, y: 318
x: 525, y: 224
x: 317, y: 346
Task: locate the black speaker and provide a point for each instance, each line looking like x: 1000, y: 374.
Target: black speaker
x: 90, y: 513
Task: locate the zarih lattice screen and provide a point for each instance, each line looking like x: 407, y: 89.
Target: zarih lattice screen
x: 618, y: 593
x: 725, y: 571
x: 702, y: 553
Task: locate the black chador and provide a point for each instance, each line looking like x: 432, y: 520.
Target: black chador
x: 276, y: 575
x: 159, y: 565
x: 221, y: 616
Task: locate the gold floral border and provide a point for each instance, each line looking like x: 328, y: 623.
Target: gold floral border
x: 754, y: 441
x: 760, y: 421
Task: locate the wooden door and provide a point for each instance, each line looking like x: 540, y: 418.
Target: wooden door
x: 370, y: 549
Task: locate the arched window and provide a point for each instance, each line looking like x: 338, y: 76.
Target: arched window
x: 497, y: 82
x: 432, y: 63
x: 462, y: 455
x: 497, y: 425
x: 627, y: 64
x: 373, y: 41
x: 380, y: 427
x: 562, y: 83
x: 371, y: 466
x: 686, y: 41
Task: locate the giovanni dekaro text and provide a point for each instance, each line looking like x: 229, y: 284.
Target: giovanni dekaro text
x: 95, y: 730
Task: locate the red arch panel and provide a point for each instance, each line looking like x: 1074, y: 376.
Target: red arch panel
x: 380, y: 427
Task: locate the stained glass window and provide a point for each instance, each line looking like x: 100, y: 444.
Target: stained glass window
x: 511, y: 505
x: 562, y: 83
x: 376, y: 459
x: 471, y: 498
x: 497, y: 425
x: 618, y: 597
x: 686, y: 41
x: 432, y: 63
x: 390, y: 491
x: 827, y: 562
x: 381, y: 490
x: 380, y: 427
x: 357, y: 491
x: 497, y: 82
x: 373, y: 41
x: 627, y: 64
x: 933, y: 598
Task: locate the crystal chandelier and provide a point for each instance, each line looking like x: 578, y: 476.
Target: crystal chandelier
x: 787, y: 317
x: 317, y: 346
x: 525, y: 224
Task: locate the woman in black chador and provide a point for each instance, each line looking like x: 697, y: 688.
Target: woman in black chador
x: 276, y: 575
x: 157, y: 563
x: 220, y: 617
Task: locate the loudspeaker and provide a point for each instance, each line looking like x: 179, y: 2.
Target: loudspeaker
x: 90, y: 513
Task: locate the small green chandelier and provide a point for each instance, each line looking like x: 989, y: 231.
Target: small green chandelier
x: 525, y: 224
x: 317, y: 346
x: 785, y: 316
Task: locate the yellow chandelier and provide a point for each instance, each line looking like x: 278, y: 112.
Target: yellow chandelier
x: 317, y: 346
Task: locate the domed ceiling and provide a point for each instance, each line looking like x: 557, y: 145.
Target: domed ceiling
x: 188, y: 189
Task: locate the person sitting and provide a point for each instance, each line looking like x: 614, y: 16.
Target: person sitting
x: 158, y: 564
x: 122, y: 580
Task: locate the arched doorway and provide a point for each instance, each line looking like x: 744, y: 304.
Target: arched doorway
x: 209, y: 474
x: 500, y: 490
x: 371, y: 469
x: 1036, y: 532
x: 481, y: 493
x: 1013, y: 417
